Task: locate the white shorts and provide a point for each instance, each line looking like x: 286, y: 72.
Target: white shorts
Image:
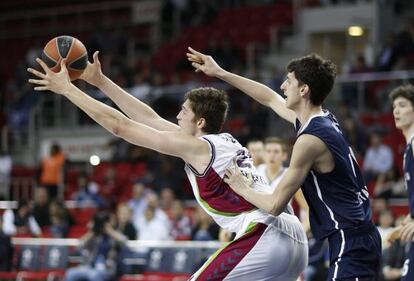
x: 277, y: 251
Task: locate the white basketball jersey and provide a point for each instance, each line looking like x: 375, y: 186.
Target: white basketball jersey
x: 228, y: 209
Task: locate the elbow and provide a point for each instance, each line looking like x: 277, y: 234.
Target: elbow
x: 276, y: 209
x: 116, y: 126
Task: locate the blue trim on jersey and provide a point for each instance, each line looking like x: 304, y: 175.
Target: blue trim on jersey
x: 337, y: 199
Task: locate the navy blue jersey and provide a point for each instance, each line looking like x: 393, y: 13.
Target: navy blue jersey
x: 339, y: 199
x: 409, y: 173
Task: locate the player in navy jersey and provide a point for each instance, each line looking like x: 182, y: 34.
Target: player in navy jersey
x: 322, y: 163
x: 402, y: 99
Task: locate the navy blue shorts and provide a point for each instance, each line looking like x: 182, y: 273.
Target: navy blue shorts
x: 408, y: 269
x: 355, y: 254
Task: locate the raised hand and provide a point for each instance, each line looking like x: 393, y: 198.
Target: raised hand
x: 93, y: 72
x: 203, y: 63
x: 51, y: 81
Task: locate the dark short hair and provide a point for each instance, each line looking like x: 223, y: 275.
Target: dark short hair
x: 405, y: 91
x: 210, y: 104
x: 277, y: 140
x: 319, y: 74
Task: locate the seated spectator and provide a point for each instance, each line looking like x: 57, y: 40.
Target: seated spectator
x: 20, y: 221
x: 100, y: 248
x: 123, y: 222
x: 88, y: 192
x: 167, y: 198
x: 180, y: 223
x: 60, y: 220
x: 393, y: 258
x: 41, y: 207
x: 153, y: 227
x: 138, y: 203
x: 6, y: 249
x: 378, y: 158
x: 204, y: 228
x: 385, y: 227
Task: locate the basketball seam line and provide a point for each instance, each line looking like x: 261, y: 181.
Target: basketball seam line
x: 75, y: 59
x: 78, y: 59
x: 49, y: 57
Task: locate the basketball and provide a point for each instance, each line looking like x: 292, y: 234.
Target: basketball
x: 66, y: 47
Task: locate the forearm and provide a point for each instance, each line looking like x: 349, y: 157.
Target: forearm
x: 131, y: 106
x: 104, y: 115
x: 263, y: 201
x: 255, y: 90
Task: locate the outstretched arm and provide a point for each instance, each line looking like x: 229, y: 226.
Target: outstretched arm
x: 257, y: 91
x: 306, y: 149
x: 131, y: 106
x: 189, y: 148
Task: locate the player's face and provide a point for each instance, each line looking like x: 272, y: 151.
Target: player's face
x: 185, y: 119
x: 274, y: 154
x: 403, y: 113
x: 290, y: 88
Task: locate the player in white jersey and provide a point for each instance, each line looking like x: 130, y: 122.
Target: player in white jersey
x: 275, y: 153
x: 266, y: 247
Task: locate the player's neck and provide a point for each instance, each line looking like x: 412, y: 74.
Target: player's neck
x: 408, y: 133
x: 307, y: 112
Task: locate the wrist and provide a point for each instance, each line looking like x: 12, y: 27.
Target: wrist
x: 221, y: 73
x: 100, y: 81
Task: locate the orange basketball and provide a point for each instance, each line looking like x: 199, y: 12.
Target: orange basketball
x: 66, y: 47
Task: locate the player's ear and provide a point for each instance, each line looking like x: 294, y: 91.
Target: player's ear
x: 201, y: 123
x: 304, y: 89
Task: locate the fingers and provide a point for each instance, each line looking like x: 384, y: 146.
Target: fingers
x: 43, y: 65
x: 37, y: 73
x: 42, y: 88
x: 38, y: 82
x: 194, y: 58
x: 63, y: 65
x: 95, y: 57
x: 195, y: 52
x: 197, y: 66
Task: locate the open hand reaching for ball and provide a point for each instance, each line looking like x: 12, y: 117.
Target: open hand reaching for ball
x: 51, y: 81
x: 93, y: 72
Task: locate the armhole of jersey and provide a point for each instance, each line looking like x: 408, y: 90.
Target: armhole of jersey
x: 330, y: 150
x: 213, y: 157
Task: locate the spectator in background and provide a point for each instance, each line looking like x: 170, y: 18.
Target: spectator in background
x: 5, y: 170
x: 41, y: 207
x: 52, y: 170
x: 88, y: 192
x: 100, y: 247
x: 138, y: 203
x: 204, y: 227
x: 20, y: 221
x: 123, y: 222
x: 378, y: 158
x: 256, y: 149
x: 180, y: 223
x: 167, y: 199
x: 393, y: 258
x: 60, y: 219
x: 6, y: 250
x: 385, y: 227
x: 153, y: 227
